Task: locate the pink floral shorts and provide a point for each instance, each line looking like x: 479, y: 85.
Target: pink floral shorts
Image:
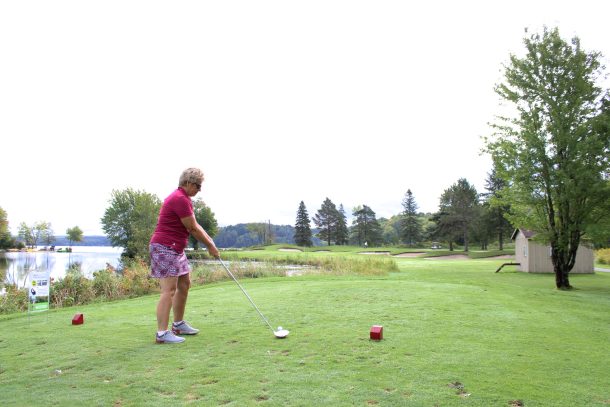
x: 166, y: 262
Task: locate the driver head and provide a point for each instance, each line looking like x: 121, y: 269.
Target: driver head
x: 281, y: 333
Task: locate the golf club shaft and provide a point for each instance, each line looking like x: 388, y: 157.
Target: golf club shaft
x: 246, y: 294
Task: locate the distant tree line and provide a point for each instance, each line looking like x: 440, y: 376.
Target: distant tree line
x: 250, y: 234
x: 39, y: 233
x: 131, y: 217
x: 464, y: 215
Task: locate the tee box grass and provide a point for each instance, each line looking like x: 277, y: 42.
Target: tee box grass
x: 455, y: 334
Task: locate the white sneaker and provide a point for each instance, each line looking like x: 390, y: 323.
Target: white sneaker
x: 184, y: 329
x: 168, y: 337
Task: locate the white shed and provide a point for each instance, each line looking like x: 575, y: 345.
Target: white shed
x: 534, y: 257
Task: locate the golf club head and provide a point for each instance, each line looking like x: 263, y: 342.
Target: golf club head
x: 281, y: 333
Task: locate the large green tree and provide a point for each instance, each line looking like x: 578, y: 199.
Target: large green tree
x: 326, y: 221
x: 5, y: 234
x: 341, y: 230
x: 40, y: 231
x: 553, y: 151
x: 495, y: 211
x: 459, y: 208
x: 442, y: 229
x: 483, y: 230
x: 302, y: 227
x: 365, y: 230
x: 45, y: 232
x: 130, y: 220
x: 411, y: 226
x: 74, y: 234
x: 206, y: 219
x: 26, y: 234
x: 390, y: 229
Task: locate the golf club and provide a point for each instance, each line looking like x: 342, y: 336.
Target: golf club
x: 280, y: 333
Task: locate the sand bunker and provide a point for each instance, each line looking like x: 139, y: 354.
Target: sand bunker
x: 382, y: 253
x: 412, y: 254
x: 289, y: 250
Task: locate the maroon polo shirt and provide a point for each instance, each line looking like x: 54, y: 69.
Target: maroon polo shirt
x: 170, y: 231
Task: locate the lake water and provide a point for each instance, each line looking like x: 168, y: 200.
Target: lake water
x: 17, y: 265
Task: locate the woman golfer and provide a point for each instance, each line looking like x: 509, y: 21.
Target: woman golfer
x: 168, y: 262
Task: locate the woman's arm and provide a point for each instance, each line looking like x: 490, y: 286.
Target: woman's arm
x: 195, y: 229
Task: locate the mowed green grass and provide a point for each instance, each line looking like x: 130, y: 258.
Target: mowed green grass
x: 455, y: 334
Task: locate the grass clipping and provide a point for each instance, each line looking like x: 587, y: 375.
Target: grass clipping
x: 209, y: 272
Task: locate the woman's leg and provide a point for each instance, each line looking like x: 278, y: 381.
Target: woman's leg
x: 168, y: 291
x: 182, y: 293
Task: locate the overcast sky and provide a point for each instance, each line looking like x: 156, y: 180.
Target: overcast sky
x: 276, y: 101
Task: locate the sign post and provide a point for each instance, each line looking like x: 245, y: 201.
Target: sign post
x: 39, y: 291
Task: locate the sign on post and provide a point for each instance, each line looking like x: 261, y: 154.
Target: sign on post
x: 39, y: 291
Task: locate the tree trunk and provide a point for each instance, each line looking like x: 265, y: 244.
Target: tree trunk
x: 563, y: 257
x: 562, y: 280
x: 562, y: 270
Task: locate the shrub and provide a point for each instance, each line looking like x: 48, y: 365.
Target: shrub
x: 14, y: 300
x: 603, y: 256
x: 136, y: 279
x: 73, y: 289
x: 106, y: 285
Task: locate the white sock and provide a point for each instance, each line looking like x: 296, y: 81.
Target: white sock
x: 160, y: 333
x: 178, y: 323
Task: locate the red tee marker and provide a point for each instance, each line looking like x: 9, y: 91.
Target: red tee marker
x: 377, y: 332
x: 78, y: 319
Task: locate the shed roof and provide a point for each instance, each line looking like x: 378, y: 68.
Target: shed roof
x: 527, y: 233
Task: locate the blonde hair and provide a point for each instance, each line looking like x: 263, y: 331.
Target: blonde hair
x: 192, y: 175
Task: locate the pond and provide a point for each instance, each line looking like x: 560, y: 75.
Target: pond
x: 16, y: 266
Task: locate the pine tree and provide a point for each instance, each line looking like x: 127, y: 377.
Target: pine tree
x: 326, y: 221
x: 342, y: 233
x: 459, y: 208
x: 365, y: 229
x: 302, y: 228
x: 411, y: 227
x: 496, y: 210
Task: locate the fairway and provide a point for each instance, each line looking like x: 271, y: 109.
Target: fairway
x: 455, y: 334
